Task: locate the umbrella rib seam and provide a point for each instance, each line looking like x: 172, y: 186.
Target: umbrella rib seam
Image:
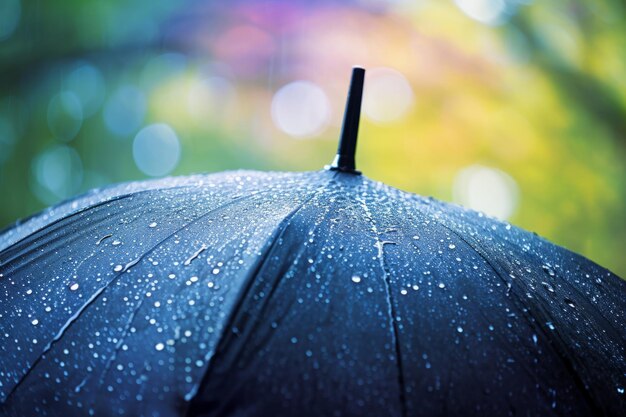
x: 249, y: 281
x: 567, y: 362
x: 110, y: 199
x: 80, y: 211
x: 390, y: 307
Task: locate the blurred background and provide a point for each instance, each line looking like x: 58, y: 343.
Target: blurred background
x: 513, y: 107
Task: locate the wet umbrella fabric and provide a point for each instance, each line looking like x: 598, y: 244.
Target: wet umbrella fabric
x: 319, y: 293
x: 299, y: 294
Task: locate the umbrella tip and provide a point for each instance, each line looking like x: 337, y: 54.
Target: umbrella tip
x: 344, y: 160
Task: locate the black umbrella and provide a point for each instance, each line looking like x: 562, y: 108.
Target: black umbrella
x: 299, y: 294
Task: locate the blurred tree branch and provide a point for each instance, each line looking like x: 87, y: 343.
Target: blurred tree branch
x: 579, y: 89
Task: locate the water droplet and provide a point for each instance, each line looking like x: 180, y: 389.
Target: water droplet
x: 620, y: 390
x: 415, y: 287
x: 29, y: 291
x: 74, y: 286
x: 356, y: 279
x: 459, y: 329
x: 116, y: 242
x: 210, y: 284
x: 216, y: 271
x: 35, y: 322
x: 195, y: 255
x: 159, y: 346
x: 171, y: 276
x: 548, y: 269
x: 152, y: 225
x: 550, y: 325
x: 103, y: 238
x: 294, y: 340
x: 452, y: 246
x: 416, y: 237
x: 547, y: 286
x: 535, y: 338
x: 441, y: 285
x: 403, y: 291
x: 570, y: 303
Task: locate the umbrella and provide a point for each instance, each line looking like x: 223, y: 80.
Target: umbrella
x: 318, y: 293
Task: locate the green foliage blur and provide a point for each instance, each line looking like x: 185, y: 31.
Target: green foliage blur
x: 511, y: 105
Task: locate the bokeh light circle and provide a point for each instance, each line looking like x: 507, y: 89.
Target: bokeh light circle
x: 65, y: 115
x: 490, y: 12
x: 387, y: 96
x: 87, y: 83
x: 10, y: 13
x: 156, y: 149
x: 485, y: 189
x: 301, y: 109
x: 58, y: 173
x: 125, y: 110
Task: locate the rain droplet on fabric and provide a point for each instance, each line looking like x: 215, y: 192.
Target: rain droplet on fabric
x: 356, y: 279
x: 547, y: 286
x: 548, y: 270
x: 195, y: 255
x: 103, y: 238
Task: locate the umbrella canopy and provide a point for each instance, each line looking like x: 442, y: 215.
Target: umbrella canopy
x: 319, y: 293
